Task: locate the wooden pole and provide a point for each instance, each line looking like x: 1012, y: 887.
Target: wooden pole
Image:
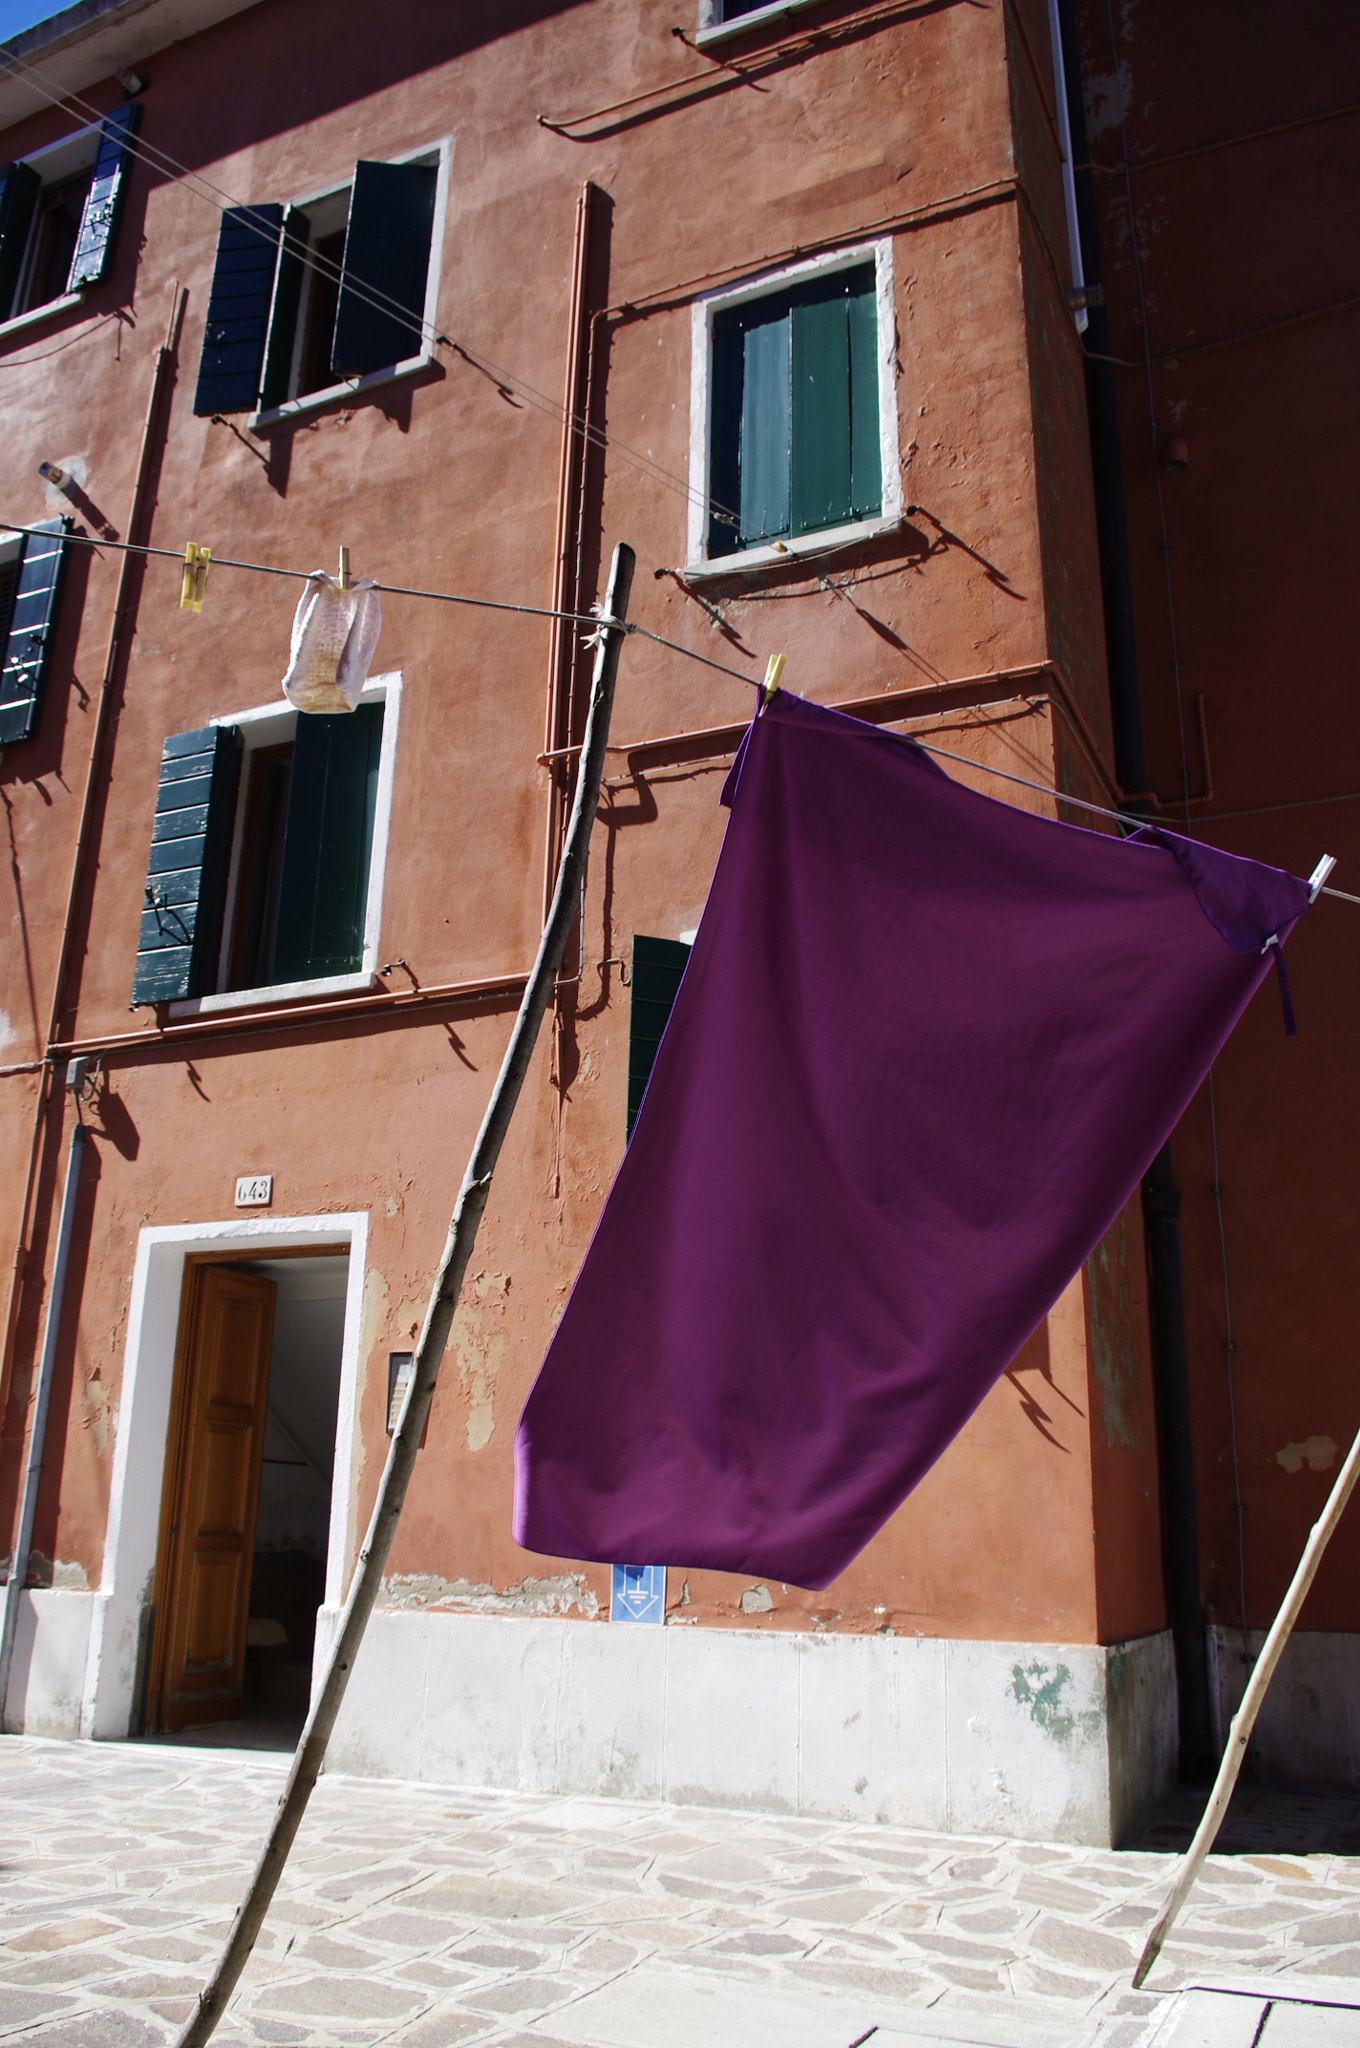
x: 1244, y: 1720
x: 467, y: 1215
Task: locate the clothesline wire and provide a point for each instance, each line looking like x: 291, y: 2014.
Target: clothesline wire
x: 430, y: 334
x: 596, y: 620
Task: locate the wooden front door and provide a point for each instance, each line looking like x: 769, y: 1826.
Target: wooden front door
x: 212, y: 1488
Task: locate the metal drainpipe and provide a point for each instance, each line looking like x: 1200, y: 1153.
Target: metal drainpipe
x: 1161, y: 1198
x: 28, y: 1507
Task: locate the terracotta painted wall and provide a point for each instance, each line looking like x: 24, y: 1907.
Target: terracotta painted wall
x: 1040, y: 1523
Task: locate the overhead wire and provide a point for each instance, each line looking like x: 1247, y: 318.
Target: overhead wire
x: 429, y: 332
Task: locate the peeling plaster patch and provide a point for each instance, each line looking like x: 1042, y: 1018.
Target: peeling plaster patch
x: 1041, y: 1690
x: 756, y: 1600
x: 70, y: 1578
x: 372, y: 1323
x: 1318, y: 1453
x: 7, y: 1032
x: 479, y: 1341
x: 567, y: 1595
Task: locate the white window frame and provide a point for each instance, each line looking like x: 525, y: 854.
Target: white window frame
x: 713, y: 29
x: 267, y: 725
x: 71, y: 154
x: 699, y: 563
x: 352, y: 387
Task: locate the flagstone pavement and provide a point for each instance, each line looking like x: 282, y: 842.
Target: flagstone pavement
x: 428, y: 1917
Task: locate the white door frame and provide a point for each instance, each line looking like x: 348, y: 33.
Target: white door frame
x: 143, y: 1422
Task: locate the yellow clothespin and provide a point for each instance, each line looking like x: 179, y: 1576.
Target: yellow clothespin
x: 343, y: 578
x: 195, y: 582
x: 774, y: 668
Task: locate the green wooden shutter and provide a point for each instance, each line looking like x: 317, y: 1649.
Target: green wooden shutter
x: 657, y: 967
x: 186, y: 877
x: 104, y: 200
x: 834, y: 375
x: 328, y: 844
x: 750, y: 469
x: 387, y: 258
x: 238, y: 310
x: 283, y: 312
x: 28, y: 643
x: 19, y: 189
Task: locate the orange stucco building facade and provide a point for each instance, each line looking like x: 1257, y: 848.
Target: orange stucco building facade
x: 605, y: 199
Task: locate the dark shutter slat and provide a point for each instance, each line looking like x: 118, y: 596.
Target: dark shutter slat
x: 283, y: 312
x: 327, y: 844
x: 19, y: 189
x: 765, y: 425
x: 821, y: 415
x: 104, y: 200
x: 866, y: 453
x: 657, y: 966
x: 28, y: 644
x: 387, y: 258
x: 238, y: 310
x: 724, y: 482
x: 180, y: 931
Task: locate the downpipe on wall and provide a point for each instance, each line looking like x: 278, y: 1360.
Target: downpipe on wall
x: 1161, y: 1199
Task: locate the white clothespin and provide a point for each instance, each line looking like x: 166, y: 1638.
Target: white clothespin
x: 1319, y: 876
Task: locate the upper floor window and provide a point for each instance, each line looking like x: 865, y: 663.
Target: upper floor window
x: 307, y: 297
x: 795, y: 412
x: 30, y: 583
x: 59, y: 212
x: 267, y: 854
x: 716, y: 16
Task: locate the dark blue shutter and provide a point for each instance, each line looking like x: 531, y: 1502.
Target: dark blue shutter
x: 328, y: 844
x: 238, y: 310
x: 657, y: 967
x: 283, y: 312
x: 186, y: 877
x: 28, y: 643
x: 104, y: 200
x: 19, y: 189
x: 387, y: 259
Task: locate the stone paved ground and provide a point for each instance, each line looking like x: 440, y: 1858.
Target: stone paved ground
x: 428, y: 1917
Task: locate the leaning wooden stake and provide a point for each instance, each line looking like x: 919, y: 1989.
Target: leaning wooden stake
x: 1244, y: 1720
x: 401, y: 1458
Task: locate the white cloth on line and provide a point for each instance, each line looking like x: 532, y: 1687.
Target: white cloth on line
x: 334, y: 634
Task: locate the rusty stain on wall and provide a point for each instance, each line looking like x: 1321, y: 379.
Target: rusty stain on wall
x: 1114, y: 1360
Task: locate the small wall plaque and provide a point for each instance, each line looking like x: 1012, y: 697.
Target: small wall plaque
x: 399, y: 1368
x: 254, y: 1190
x: 637, y: 1592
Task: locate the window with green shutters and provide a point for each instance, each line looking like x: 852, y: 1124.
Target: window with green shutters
x: 795, y: 412
x: 304, y: 297
x: 261, y: 856
x: 657, y: 965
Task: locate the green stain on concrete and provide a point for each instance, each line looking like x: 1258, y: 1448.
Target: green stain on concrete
x: 1040, y: 1688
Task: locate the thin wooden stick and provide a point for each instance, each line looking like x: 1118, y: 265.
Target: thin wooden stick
x: 467, y: 1215
x: 1244, y: 1720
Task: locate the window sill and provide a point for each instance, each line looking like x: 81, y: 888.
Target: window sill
x: 279, y: 992
x: 829, y: 538
x: 723, y: 31
x: 38, y: 314
x: 353, y: 387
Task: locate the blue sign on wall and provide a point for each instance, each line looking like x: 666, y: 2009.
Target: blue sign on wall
x: 637, y: 1592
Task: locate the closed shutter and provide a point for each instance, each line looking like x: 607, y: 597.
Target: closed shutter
x: 387, y: 258
x: 28, y: 644
x: 186, y: 878
x: 657, y: 967
x: 283, y: 311
x: 328, y: 844
x: 238, y: 310
x: 19, y: 189
x: 835, y: 469
x: 104, y: 200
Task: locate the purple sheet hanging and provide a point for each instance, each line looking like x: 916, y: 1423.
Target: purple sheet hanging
x: 924, y: 1048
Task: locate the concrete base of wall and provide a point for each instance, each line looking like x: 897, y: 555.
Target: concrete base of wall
x: 1308, y: 1733
x: 1046, y: 1743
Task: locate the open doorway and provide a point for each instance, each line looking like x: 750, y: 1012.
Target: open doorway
x: 246, y: 1508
